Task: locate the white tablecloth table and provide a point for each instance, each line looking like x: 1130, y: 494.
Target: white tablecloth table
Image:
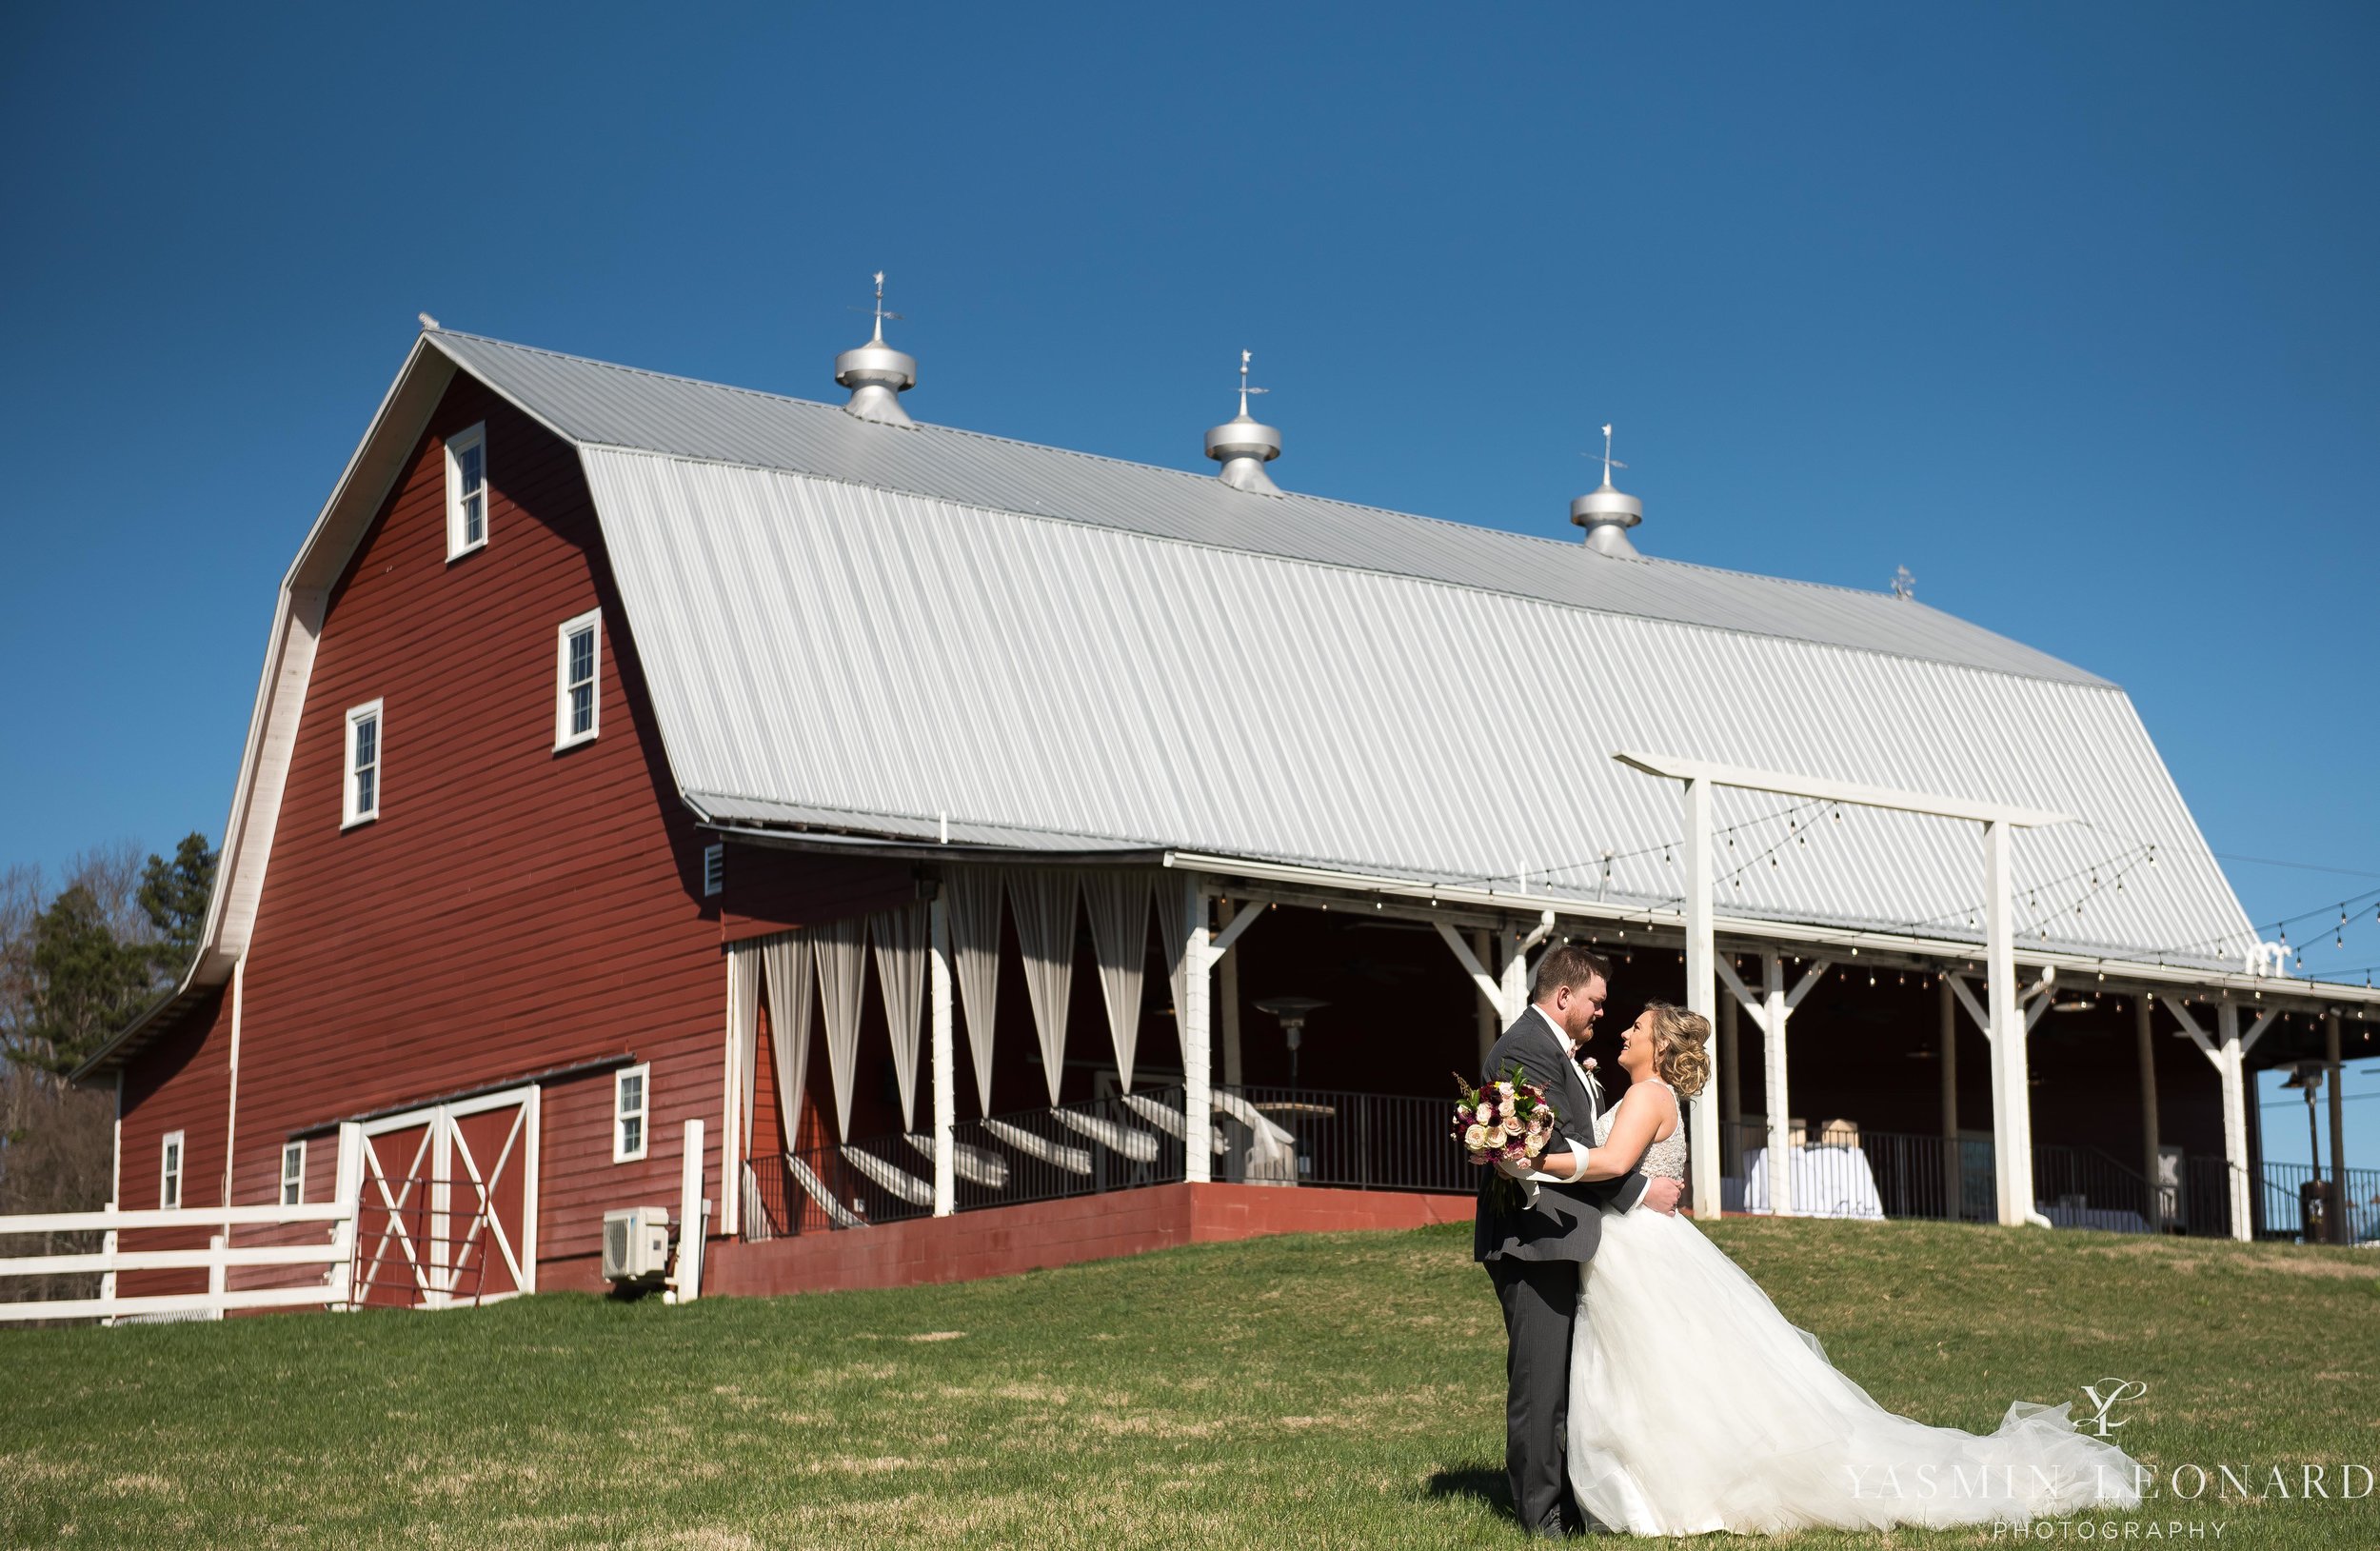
x: 1826, y: 1182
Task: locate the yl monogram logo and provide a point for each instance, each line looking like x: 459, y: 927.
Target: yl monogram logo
x: 2104, y: 1395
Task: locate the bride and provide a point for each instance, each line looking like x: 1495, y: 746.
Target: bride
x: 1695, y: 1407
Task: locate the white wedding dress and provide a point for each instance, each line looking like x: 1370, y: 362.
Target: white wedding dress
x: 1695, y: 1406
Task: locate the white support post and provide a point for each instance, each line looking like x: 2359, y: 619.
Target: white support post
x: 1514, y: 981
x: 944, y: 1065
x: 1702, y: 996
x: 693, y: 1215
x: 1771, y: 1012
x: 1775, y: 1017
x: 2230, y: 1059
x: 2012, y: 1113
x: 348, y: 1191
x: 2232, y: 1067
x: 1198, y: 1084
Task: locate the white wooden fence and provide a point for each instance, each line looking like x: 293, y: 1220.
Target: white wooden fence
x: 220, y: 1256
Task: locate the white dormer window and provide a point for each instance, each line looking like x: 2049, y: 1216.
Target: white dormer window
x: 361, y: 802
x: 578, y: 659
x: 169, y: 1180
x: 631, y: 1097
x: 467, y: 490
x: 294, y: 1174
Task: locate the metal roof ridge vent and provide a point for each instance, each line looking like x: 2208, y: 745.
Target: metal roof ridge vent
x: 1244, y: 444
x: 877, y: 374
x: 1606, y: 513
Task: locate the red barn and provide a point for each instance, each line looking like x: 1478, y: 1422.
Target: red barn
x: 632, y: 750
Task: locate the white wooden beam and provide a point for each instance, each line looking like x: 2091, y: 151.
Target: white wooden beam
x: 1702, y: 1149
x: 2264, y: 1020
x: 1967, y: 999
x: 1751, y: 1003
x: 2232, y: 1067
x: 1777, y: 1019
x: 1233, y: 933
x: 1818, y: 789
x: 1479, y: 977
x: 2012, y: 1105
x: 1197, y: 1077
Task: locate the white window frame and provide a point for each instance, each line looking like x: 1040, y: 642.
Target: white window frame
x: 642, y: 1072
x: 172, y: 1161
x: 563, y: 736
x: 350, y: 813
x: 460, y: 442
x: 293, y: 1183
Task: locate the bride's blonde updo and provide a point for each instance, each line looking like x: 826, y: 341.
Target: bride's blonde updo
x: 1679, y: 1053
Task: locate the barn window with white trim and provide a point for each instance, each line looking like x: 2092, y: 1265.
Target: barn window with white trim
x: 578, y: 652
x: 466, y: 492
x: 170, y: 1185
x: 294, y: 1174
x: 632, y: 1098
x: 362, y: 803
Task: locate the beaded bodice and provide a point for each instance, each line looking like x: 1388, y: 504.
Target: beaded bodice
x: 1664, y: 1159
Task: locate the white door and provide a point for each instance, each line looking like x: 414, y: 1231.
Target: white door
x: 448, y: 1213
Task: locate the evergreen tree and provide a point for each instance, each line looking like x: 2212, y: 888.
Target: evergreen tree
x: 87, y: 981
x: 174, y: 896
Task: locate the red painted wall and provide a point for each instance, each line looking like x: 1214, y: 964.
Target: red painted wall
x: 512, y: 909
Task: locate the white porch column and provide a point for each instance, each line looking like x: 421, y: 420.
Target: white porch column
x: 1774, y: 1017
x: 944, y: 1064
x: 2228, y: 1054
x: 1198, y: 1083
x: 2011, y: 1111
x: 1703, y: 995
x: 2230, y: 1064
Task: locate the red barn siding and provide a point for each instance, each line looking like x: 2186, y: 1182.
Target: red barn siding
x: 512, y: 909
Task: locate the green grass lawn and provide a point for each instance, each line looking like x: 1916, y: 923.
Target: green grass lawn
x: 1338, y: 1390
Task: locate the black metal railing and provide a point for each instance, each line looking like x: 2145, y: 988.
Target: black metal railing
x: 1346, y: 1140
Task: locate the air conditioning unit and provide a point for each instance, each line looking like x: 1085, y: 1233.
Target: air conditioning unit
x: 635, y: 1245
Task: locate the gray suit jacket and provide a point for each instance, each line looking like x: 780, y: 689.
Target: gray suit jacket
x: 1566, y: 1223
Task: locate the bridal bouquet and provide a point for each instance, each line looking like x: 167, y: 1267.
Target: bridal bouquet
x: 1506, y: 1121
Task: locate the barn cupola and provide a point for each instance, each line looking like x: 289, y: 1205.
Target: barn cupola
x: 877, y: 374
x: 1244, y: 444
x: 1606, y: 513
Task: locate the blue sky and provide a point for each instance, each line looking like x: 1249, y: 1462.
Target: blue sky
x: 2067, y: 309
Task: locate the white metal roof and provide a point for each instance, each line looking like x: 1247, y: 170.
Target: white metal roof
x: 919, y: 633
x: 597, y: 403
x: 816, y: 647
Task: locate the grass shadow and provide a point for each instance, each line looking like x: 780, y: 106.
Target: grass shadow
x: 1479, y: 1483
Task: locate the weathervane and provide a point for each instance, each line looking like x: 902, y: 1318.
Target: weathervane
x: 880, y: 313
x: 1244, y: 390
x: 1904, y: 584
x: 1610, y: 463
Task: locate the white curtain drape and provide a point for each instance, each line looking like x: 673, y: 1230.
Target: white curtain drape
x: 743, y: 1017
x: 1042, y: 899
x: 787, y: 959
x: 1119, y: 906
x: 840, y: 949
x: 900, y: 938
x: 1173, y: 924
x: 974, y: 899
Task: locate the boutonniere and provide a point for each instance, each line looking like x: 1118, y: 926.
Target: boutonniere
x: 1586, y: 1064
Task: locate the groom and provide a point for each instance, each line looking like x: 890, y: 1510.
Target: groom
x: 1534, y: 1254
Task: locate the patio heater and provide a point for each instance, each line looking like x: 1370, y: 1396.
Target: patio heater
x: 1293, y: 1012
x: 2313, y: 1201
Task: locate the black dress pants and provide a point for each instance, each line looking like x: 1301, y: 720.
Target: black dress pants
x: 1540, y: 1302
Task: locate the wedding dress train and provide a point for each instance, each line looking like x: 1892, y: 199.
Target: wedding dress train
x: 1695, y: 1406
